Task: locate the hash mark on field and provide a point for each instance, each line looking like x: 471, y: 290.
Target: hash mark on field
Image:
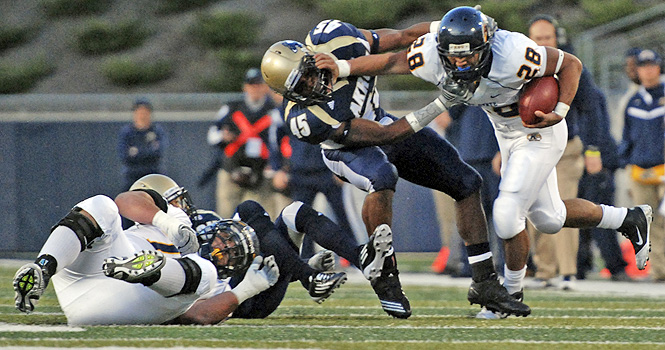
x: 7, y: 327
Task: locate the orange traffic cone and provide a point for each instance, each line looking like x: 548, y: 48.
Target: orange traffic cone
x: 441, y: 260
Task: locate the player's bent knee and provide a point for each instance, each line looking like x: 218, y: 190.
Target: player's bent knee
x: 249, y: 208
x: 101, y: 208
x: 472, y: 185
x: 506, y: 218
x: 386, y: 178
x: 289, y: 214
x: 546, y: 223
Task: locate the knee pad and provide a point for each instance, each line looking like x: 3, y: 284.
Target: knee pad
x: 83, y: 227
x: 289, y: 214
x: 386, y: 178
x: 507, y: 219
x: 547, y: 223
x: 193, y: 275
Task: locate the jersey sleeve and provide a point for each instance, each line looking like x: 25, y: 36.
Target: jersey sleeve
x: 524, y: 59
x: 423, y: 59
x: 312, y: 124
x: 343, y: 40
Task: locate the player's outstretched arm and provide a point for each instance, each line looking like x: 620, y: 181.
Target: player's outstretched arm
x: 360, y: 132
x: 370, y: 65
x: 218, y: 308
x: 568, y: 69
x: 397, y: 39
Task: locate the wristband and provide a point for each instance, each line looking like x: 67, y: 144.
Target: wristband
x: 243, y: 293
x: 163, y: 220
x: 420, y: 118
x: 591, y: 153
x: 434, y: 27
x: 561, y: 109
x: 344, y: 68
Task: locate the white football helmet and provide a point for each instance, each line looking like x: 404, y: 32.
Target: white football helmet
x: 169, y: 189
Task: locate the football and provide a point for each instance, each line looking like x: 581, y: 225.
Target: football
x: 540, y: 94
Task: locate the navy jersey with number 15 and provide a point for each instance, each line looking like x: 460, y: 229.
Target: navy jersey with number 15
x: 353, y: 97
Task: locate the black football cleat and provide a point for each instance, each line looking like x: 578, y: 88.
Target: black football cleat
x: 389, y: 290
x: 491, y: 315
x: 323, y: 284
x: 374, y: 253
x: 493, y: 296
x: 636, y: 227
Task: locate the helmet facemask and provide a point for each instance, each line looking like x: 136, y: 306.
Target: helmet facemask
x: 465, y: 31
x: 181, y: 197
x: 307, y: 84
x: 230, y: 245
x: 470, y: 73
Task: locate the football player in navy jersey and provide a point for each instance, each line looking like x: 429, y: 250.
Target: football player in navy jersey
x: 364, y: 145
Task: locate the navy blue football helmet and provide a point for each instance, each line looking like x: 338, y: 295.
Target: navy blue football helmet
x: 201, y: 218
x: 230, y: 245
x: 466, y: 31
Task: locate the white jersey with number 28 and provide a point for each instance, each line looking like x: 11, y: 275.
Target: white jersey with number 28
x: 516, y: 59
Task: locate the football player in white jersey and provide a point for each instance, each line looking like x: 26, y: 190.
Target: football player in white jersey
x: 474, y: 63
x: 164, y: 288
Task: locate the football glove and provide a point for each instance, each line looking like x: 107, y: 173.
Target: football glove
x: 455, y: 92
x: 30, y: 282
x: 322, y: 261
x: 182, y: 236
x: 257, y: 278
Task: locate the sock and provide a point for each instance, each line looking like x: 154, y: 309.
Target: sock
x: 480, y: 259
x: 513, y: 279
x: 63, y: 246
x: 171, y: 280
x: 612, y: 217
x: 49, y: 264
x: 327, y: 234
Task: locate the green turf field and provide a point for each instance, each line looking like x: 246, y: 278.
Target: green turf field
x: 353, y: 319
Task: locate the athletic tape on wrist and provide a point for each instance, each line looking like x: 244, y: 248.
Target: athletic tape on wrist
x: 344, y: 68
x: 420, y: 118
x: 561, y: 109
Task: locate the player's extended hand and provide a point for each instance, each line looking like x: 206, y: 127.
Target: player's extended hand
x: 454, y: 92
x: 324, y: 260
x: 29, y: 285
x: 182, y: 236
x: 257, y: 279
x: 186, y: 240
x: 325, y: 61
x: 546, y: 120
